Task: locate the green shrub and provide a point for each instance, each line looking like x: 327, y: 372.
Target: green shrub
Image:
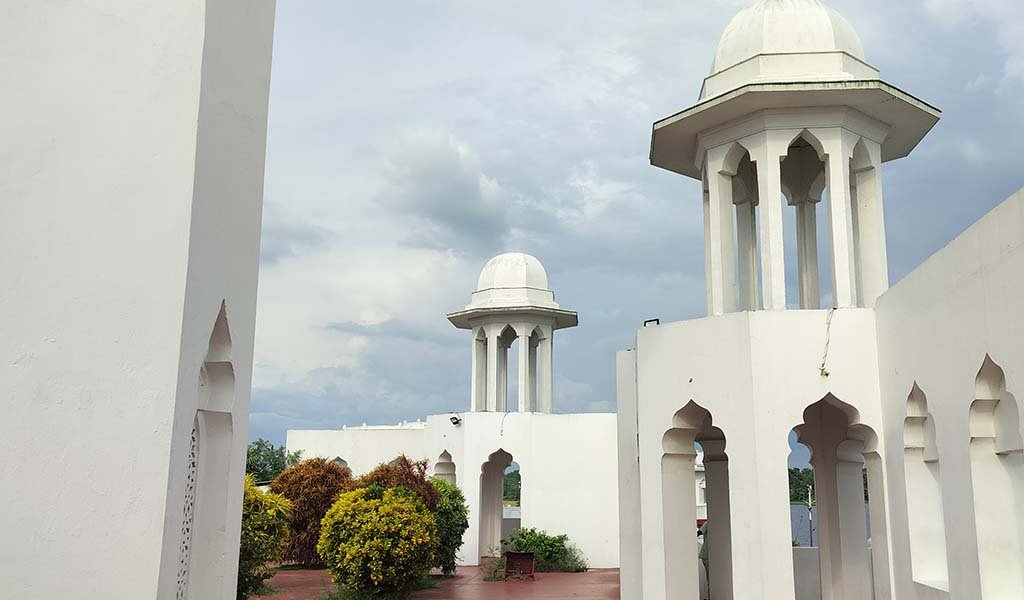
x: 553, y: 553
x: 378, y: 541
x: 264, y: 529
x: 404, y: 473
x: 312, y: 486
x: 452, y: 521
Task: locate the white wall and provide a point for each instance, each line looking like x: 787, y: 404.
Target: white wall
x: 935, y: 328
x: 134, y: 156
x: 362, y: 449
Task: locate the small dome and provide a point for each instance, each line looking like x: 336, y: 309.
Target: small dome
x: 513, y: 270
x: 785, y: 27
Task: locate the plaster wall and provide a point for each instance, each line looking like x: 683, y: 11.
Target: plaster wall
x: 756, y: 372
x: 362, y: 449
x: 132, y: 200
x: 935, y: 328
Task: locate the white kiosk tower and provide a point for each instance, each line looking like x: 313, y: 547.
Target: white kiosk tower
x: 512, y: 301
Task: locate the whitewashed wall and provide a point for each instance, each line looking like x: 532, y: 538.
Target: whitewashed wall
x: 362, y: 449
x: 133, y: 153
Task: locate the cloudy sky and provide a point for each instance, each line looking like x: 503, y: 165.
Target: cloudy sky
x: 411, y: 140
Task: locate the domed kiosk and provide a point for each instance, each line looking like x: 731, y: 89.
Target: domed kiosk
x: 512, y: 301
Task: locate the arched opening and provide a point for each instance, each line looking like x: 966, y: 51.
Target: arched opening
x: 492, y: 492
x: 997, y: 474
x: 926, y: 514
x: 848, y: 489
x: 867, y: 221
x: 803, y: 184
x: 341, y: 462
x: 205, y: 545
x: 684, y: 559
x: 444, y: 468
x: 511, y: 500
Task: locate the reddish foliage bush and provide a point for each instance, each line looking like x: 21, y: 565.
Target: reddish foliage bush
x: 402, y: 472
x: 312, y: 486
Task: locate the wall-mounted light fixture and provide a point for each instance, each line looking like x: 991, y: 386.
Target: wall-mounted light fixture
x: 650, y: 322
x: 456, y: 420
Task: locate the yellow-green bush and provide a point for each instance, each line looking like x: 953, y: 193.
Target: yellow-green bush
x: 378, y: 540
x: 264, y: 529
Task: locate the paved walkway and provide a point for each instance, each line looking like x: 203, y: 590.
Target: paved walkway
x: 469, y: 584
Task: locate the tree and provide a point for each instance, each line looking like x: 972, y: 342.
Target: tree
x: 401, y: 472
x: 513, y: 486
x: 452, y: 522
x: 378, y: 542
x: 265, y: 461
x: 799, y: 480
x: 312, y: 486
x: 264, y: 528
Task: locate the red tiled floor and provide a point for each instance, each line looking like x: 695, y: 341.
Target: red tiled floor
x: 299, y: 584
x: 469, y: 584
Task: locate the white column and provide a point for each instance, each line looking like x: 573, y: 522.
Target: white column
x: 525, y: 393
x: 746, y: 228
x: 493, y: 379
x: 853, y: 525
x: 546, y: 370
x: 719, y: 241
x: 873, y: 263
x: 770, y: 148
x: 807, y: 253
x: 502, y: 395
x: 716, y: 473
x: 478, y: 377
x: 679, y: 518
x: 844, y: 287
x: 533, y: 373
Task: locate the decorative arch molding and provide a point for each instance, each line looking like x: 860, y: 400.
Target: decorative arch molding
x: 691, y: 425
x: 444, y: 468
x: 205, y: 548
x: 926, y: 515
x: 997, y: 476
x: 842, y: 447
x: 492, y: 491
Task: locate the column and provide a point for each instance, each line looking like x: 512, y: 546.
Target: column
x: 534, y: 342
x: 853, y: 525
x: 478, y: 377
x: 720, y: 253
x: 493, y: 378
x: 546, y: 370
x: 746, y: 228
x: 844, y: 287
x: 807, y: 253
x: 772, y: 146
x: 502, y: 392
x: 873, y: 263
x: 679, y: 518
x: 716, y: 472
x: 525, y: 393
x: 826, y: 494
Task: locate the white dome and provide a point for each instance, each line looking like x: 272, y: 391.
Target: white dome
x: 784, y: 27
x: 513, y: 270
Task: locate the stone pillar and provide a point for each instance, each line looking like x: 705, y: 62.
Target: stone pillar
x: 719, y: 533
x: 478, y: 376
x: 502, y: 391
x: 493, y: 378
x: 746, y: 228
x: 853, y: 525
x: 838, y: 147
x: 546, y: 370
x: 525, y: 393
x: 807, y: 253
x: 771, y: 147
x: 873, y: 263
x: 679, y: 518
x: 534, y: 343
x: 719, y: 243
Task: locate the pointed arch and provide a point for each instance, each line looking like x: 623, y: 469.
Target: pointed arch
x: 492, y: 488
x: 926, y: 517
x: 806, y: 137
x: 997, y: 476
x: 444, y: 468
